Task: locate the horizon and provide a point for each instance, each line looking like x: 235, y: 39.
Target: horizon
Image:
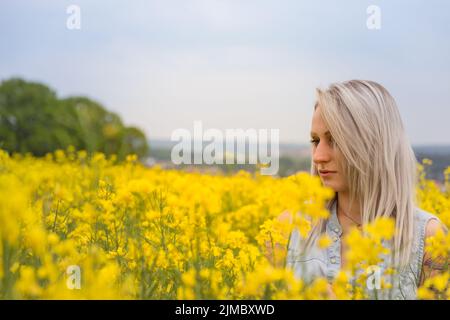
x: 294, y: 143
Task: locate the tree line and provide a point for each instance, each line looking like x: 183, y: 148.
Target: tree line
x: 33, y: 119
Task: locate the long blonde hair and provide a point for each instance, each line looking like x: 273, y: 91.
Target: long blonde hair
x: 379, y: 163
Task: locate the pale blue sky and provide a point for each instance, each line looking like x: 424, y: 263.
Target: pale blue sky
x: 233, y: 63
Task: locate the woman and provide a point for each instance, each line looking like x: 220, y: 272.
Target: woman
x: 361, y: 151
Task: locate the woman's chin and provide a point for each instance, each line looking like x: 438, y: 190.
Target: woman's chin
x: 330, y: 184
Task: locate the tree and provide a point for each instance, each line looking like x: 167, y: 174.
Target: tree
x: 33, y: 119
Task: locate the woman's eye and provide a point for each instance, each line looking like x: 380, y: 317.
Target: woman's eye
x: 315, y: 142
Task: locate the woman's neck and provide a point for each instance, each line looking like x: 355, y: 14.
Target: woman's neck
x: 344, y: 210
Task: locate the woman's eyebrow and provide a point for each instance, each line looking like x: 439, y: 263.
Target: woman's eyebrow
x: 315, y: 134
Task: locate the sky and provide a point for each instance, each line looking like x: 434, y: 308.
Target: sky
x: 161, y: 65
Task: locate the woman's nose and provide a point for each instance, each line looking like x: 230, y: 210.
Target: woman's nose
x: 322, y: 153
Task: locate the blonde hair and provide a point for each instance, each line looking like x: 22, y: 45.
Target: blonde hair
x: 379, y: 163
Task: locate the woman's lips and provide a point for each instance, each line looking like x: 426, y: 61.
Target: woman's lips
x: 326, y: 173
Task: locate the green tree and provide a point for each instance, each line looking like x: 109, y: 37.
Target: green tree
x: 33, y: 119
x: 133, y: 141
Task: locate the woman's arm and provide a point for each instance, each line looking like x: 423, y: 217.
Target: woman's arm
x: 432, y: 266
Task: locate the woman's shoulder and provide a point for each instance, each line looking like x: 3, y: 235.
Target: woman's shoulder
x: 429, y: 223
x: 421, y: 215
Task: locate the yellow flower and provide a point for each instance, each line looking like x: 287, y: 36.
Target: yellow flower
x: 188, y: 278
x: 324, y: 241
x: 27, y: 284
x: 381, y: 228
x: 37, y: 240
x: 153, y: 233
x: 439, y: 282
x: 438, y: 246
x: 425, y: 293
x: 341, y: 287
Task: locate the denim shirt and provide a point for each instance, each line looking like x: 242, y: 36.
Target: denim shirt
x: 326, y: 262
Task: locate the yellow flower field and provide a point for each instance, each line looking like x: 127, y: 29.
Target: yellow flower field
x: 146, y: 233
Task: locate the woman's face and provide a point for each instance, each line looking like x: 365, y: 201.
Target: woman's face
x: 326, y: 156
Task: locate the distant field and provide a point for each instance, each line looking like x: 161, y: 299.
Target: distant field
x: 295, y: 157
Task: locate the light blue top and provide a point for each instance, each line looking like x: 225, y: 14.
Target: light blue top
x: 326, y: 262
